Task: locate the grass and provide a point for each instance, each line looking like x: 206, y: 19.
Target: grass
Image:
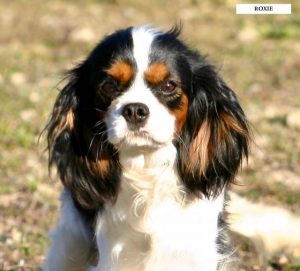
x: 286, y: 29
x: 256, y: 56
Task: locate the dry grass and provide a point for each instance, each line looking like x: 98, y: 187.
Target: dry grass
x: 257, y: 55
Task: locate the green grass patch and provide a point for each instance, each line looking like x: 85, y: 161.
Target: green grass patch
x: 6, y: 188
x: 31, y: 185
x: 280, y: 30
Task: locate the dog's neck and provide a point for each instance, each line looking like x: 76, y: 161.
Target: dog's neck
x: 150, y: 176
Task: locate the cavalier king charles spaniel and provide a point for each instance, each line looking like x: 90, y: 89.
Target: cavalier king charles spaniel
x: 145, y: 137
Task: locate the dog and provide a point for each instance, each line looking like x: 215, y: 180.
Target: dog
x: 145, y: 137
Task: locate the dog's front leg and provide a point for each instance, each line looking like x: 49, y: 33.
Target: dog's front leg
x: 71, y: 240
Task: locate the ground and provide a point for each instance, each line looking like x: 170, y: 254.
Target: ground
x: 257, y: 55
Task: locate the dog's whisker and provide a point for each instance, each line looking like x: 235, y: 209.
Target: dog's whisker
x: 99, y: 110
x: 99, y: 123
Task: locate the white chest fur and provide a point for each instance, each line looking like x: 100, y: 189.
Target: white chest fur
x: 153, y: 226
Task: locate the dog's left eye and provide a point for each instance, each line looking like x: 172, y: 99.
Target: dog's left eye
x: 168, y: 87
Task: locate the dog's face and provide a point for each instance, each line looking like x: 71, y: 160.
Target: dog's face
x: 141, y: 88
x: 145, y: 92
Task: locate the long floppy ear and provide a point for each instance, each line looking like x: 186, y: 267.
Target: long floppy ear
x: 84, y: 161
x: 215, y: 136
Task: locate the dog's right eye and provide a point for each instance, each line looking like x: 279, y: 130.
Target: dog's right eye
x: 109, y: 88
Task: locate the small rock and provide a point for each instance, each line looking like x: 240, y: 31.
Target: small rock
x: 248, y: 34
x: 34, y: 97
x: 9, y: 241
x: 16, y: 235
x: 28, y: 114
x: 293, y: 119
x: 283, y: 259
x: 270, y: 111
x: 21, y: 262
x: 18, y: 78
x: 83, y: 35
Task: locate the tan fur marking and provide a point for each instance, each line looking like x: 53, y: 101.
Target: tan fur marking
x: 181, y: 113
x: 98, y: 167
x: 157, y: 73
x: 64, y: 122
x: 227, y: 123
x: 98, y: 161
x: 200, y: 149
x: 101, y: 166
x: 121, y: 71
x: 70, y: 119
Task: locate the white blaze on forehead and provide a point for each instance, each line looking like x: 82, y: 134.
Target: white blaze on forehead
x: 142, y: 39
x: 139, y: 92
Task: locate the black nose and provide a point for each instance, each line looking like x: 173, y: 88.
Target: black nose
x: 136, y: 113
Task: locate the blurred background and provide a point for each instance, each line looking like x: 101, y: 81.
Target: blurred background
x: 257, y: 55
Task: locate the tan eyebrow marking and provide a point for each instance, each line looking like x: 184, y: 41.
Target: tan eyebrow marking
x: 122, y: 71
x: 157, y: 73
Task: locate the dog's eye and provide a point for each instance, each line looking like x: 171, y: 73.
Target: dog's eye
x: 168, y: 87
x: 109, y: 88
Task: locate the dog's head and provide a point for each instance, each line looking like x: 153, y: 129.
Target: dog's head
x: 141, y: 88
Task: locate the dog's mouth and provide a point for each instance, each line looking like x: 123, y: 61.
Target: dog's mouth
x: 140, y: 139
x: 139, y: 133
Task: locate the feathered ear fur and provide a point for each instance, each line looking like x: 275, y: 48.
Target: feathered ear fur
x: 86, y: 163
x: 215, y: 136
